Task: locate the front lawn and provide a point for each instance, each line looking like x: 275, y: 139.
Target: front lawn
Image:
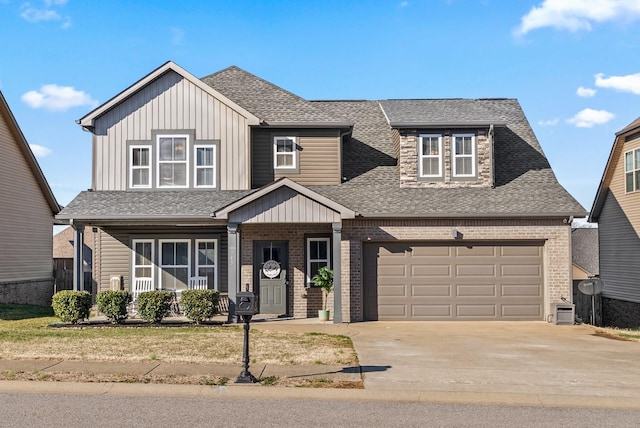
x: 25, y: 334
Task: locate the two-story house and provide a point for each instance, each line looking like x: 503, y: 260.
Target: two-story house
x: 616, y: 209
x: 443, y: 209
x: 27, y: 209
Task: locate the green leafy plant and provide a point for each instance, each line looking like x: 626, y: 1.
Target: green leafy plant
x: 154, y: 305
x: 114, y: 304
x: 324, y: 280
x: 71, y: 306
x: 199, y: 305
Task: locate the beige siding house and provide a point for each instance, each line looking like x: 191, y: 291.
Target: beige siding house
x: 425, y: 209
x: 616, y: 209
x: 26, y: 221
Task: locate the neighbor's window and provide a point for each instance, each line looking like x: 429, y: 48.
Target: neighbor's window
x: 142, y: 258
x: 284, y: 152
x: 205, y: 172
x: 318, y: 255
x: 430, y: 163
x: 140, y: 166
x: 464, y: 155
x: 174, y: 263
x: 632, y: 170
x: 172, y: 160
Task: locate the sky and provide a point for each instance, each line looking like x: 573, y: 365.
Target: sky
x: 572, y: 64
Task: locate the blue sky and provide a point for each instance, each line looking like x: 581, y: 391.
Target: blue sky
x: 572, y: 64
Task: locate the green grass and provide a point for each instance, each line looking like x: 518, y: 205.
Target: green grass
x: 24, y: 312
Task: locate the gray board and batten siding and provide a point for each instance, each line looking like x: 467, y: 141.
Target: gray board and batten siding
x: 169, y: 102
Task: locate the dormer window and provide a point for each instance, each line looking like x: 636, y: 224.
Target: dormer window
x: 172, y: 160
x: 430, y: 153
x: 464, y: 155
x: 284, y: 153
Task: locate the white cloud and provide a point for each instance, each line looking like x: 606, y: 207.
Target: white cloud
x: 585, y: 92
x: 587, y: 118
x: 35, y: 14
x: 58, y: 98
x: 576, y: 15
x: 628, y: 83
x: 39, y: 151
x: 550, y: 122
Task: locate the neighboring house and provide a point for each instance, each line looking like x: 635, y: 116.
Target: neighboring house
x: 63, y: 253
x: 442, y: 209
x: 27, y: 209
x: 584, y: 249
x: 616, y: 209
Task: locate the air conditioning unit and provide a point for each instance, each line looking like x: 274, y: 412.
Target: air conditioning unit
x: 115, y: 283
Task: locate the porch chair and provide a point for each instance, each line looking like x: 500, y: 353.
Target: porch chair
x: 198, y: 283
x: 140, y: 285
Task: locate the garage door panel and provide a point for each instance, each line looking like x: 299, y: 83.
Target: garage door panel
x: 475, y: 270
x: 429, y: 271
x: 475, y: 290
x: 431, y: 290
x: 476, y: 311
x: 431, y: 282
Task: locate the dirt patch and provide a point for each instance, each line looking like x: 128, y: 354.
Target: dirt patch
x: 617, y: 335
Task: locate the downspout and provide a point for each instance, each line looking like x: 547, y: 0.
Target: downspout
x: 491, y: 156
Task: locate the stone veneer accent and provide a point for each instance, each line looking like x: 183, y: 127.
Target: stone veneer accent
x: 408, y: 160
x: 554, y: 234
x: 31, y: 292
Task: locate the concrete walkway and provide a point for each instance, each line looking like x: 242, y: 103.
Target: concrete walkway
x: 523, y: 363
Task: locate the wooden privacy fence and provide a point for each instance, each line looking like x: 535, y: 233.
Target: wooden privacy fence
x: 64, y: 280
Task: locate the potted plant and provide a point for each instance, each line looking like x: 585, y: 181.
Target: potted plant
x: 324, y: 280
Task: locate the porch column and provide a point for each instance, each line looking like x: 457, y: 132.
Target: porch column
x: 233, y: 271
x: 337, y: 270
x: 78, y: 257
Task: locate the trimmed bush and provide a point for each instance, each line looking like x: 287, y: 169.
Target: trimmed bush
x: 114, y: 304
x: 71, y: 306
x: 154, y: 305
x: 199, y: 305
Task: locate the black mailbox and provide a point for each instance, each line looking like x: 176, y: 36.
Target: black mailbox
x: 247, y: 303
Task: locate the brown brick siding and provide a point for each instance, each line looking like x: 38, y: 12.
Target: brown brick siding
x: 553, y: 233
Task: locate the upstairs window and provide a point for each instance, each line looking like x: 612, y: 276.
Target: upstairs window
x: 172, y: 161
x: 140, y: 167
x: 430, y: 163
x: 632, y: 170
x: 284, y: 152
x: 204, y: 171
x: 464, y: 155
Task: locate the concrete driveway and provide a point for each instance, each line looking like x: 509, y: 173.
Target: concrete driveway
x: 497, y: 358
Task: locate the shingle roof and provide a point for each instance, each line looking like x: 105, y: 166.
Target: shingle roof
x: 269, y: 102
x: 584, y: 249
x: 449, y: 112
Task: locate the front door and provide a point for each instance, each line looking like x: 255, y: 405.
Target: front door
x: 270, y: 275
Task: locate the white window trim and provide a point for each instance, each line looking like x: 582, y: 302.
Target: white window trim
x: 196, y: 167
x: 215, y: 260
x: 422, y: 156
x: 457, y: 156
x: 185, y: 161
x: 133, y: 258
x: 133, y: 168
x: 161, y: 266
x: 634, y: 155
x: 293, y: 154
x: 309, y: 260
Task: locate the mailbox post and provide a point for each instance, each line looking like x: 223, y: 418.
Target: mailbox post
x: 246, y: 307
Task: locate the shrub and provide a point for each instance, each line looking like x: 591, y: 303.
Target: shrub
x: 199, y: 305
x: 154, y: 305
x: 71, y: 306
x: 114, y: 304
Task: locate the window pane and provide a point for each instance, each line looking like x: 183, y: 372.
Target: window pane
x: 206, y: 253
x: 284, y: 146
x: 141, y: 272
x: 637, y: 156
x: 322, y: 250
x: 168, y: 256
x: 143, y: 253
x: 179, y: 148
x: 205, y: 156
x: 140, y: 177
x: 430, y: 166
x: 637, y: 180
x: 313, y: 250
x: 463, y: 166
x: 204, y: 177
x: 182, y: 253
x: 628, y: 161
x: 629, y: 181
x: 284, y: 160
x: 140, y: 157
x: 166, y: 149
x: 315, y: 266
x: 179, y: 175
